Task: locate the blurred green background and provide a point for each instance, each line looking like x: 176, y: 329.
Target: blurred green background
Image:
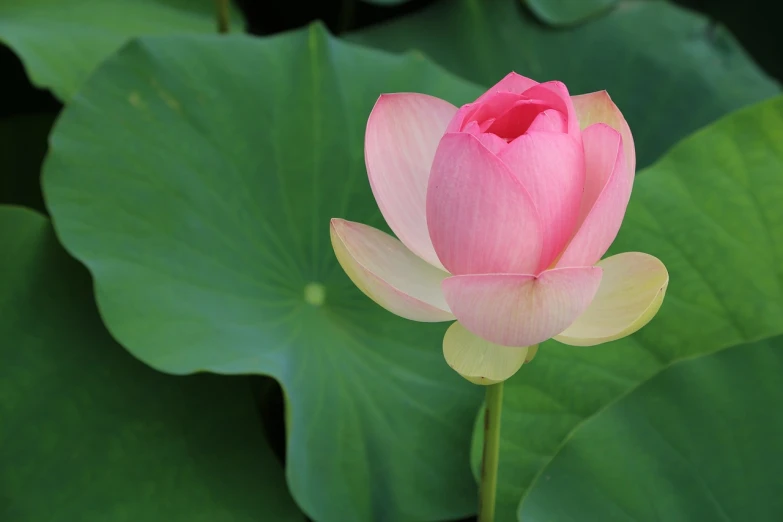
x: 190, y: 177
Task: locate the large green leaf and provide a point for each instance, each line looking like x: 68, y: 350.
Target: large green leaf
x: 62, y: 41
x: 566, y: 12
x: 88, y: 433
x: 195, y: 177
x: 700, y: 441
x: 711, y: 211
x: 669, y: 70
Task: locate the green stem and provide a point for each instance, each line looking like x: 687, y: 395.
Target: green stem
x: 223, y: 16
x: 489, y: 461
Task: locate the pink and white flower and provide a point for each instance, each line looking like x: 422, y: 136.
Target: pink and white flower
x: 503, y: 209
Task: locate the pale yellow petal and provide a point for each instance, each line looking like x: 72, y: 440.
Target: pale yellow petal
x: 630, y: 294
x: 480, y: 361
x: 388, y: 273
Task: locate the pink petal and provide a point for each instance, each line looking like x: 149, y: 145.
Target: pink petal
x: 630, y: 295
x: 472, y: 128
x: 551, y: 167
x: 550, y: 120
x: 512, y: 82
x: 388, y: 273
x: 607, y: 191
x: 458, y: 122
x: 478, y: 360
x: 601, y: 145
x: 520, y: 309
x: 556, y: 95
x: 517, y: 119
x: 491, y: 105
x: 486, y: 124
x: 480, y: 218
x: 598, y: 107
x: 490, y: 141
x: 402, y: 134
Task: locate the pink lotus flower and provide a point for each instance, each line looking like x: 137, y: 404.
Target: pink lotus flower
x: 503, y: 209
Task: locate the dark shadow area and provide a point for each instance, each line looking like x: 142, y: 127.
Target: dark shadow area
x: 755, y: 23
x: 339, y: 15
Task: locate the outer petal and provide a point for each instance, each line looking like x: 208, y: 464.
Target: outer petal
x: 480, y: 361
x: 388, y: 273
x: 512, y: 82
x: 630, y: 295
x: 402, y: 134
x: 556, y: 95
x: 551, y: 167
x: 481, y: 219
x: 598, y: 107
x: 520, y: 309
x: 607, y: 191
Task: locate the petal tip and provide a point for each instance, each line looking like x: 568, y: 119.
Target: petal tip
x: 605, y: 127
x: 339, y: 226
x: 559, y: 84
